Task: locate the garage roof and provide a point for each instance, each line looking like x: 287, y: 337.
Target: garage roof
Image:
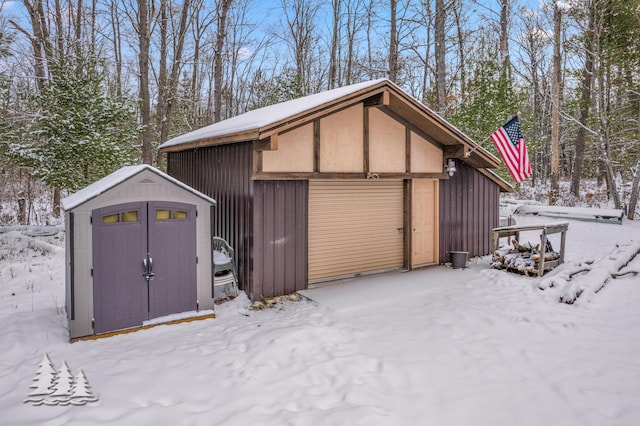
x: 261, y: 123
x: 261, y: 118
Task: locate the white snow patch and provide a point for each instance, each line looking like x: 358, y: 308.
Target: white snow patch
x: 432, y: 346
x: 593, y: 276
x: 614, y: 215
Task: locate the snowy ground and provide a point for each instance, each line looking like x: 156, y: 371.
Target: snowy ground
x: 431, y: 347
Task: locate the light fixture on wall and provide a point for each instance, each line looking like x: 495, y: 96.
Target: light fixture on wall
x: 450, y: 166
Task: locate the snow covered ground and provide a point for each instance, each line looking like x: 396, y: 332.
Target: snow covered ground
x: 435, y: 346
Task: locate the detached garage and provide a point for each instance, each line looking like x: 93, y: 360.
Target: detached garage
x: 351, y: 181
x: 138, y: 250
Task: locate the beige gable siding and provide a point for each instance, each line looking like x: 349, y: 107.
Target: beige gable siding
x: 342, y: 141
x: 425, y: 157
x: 387, y: 144
x: 294, y: 153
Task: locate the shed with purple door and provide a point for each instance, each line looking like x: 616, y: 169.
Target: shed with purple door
x: 138, y: 250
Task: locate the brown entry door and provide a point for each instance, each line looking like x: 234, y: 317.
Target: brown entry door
x: 424, y: 218
x: 144, y: 262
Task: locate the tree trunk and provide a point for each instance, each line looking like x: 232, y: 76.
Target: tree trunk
x: 587, y: 76
x: 370, y: 13
x: 393, y: 41
x: 555, y: 110
x: 354, y: 23
x: 635, y: 187
x: 222, y: 9
x: 461, y: 49
x: 144, y: 37
x: 170, y: 87
x: 426, y: 72
x: 163, y: 89
x: 504, y: 34
x: 56, y: 202
x: 39, y: 39
x: 440, y: 54
x: 22, y: 211
x: 603, y: 130
x: 334, y: 60
x: 59, y: 31
x: 117, y: 48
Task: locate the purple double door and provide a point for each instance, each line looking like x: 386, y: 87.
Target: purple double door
x: 144, y: 263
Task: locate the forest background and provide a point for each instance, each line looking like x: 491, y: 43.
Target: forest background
x: 87, y: 86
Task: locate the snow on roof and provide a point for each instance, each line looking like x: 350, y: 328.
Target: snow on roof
x: 272, y: 114
x: 118, y: 177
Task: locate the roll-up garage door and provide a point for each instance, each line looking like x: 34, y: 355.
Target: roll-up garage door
x: 354, y: 227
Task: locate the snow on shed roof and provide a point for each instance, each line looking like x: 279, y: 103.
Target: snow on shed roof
x: 271, y: 114
x: 117, y: 177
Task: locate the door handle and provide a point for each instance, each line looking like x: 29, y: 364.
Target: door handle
x: 148, y: 268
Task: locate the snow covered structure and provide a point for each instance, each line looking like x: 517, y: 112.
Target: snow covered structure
x: 354, y: 180
x: 138, y: 247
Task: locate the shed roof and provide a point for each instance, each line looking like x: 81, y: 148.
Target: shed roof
x: 101, y: 186
x: 263, y: 122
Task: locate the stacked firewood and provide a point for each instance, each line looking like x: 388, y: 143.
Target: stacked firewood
x: 524, y: 258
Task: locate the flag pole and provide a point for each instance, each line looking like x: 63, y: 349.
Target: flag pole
x: 478, y: 145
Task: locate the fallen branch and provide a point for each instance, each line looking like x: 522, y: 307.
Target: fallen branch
x: 585, y: 279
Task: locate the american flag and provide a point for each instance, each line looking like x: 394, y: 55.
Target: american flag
x: 509, y: 141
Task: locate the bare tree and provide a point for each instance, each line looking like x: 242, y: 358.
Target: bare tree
x: 222, y: 10
x: 116, y: 39
x: 353, y: 26
x: 39, y: 38
x: 554, y: 190
x: 334, y: 56
x: 300, y: 17
x: 635, y: 185
x: 168, y: 80
x: 585, y: 100
x: 505, y: 9
x: 393, y: 40
x: 461, y: 43
x: 440, y: 55
x: 144, y: 40
x: 532, y: 66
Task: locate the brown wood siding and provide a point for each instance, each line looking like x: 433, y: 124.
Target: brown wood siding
x: 279, y: 237
x: 469, y: 203
x: 224, y: 173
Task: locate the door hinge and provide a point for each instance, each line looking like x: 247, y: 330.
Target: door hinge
x: 91, y: 220
x: 93, y: 323
x: 196, y: 260
x: 196, y: 212
x: 197, y: 305
x: 91, y: 271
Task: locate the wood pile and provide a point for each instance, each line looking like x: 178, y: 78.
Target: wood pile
x: 524, y: 258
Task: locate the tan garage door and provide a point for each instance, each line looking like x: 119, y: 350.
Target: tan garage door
x: 354, y: 227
